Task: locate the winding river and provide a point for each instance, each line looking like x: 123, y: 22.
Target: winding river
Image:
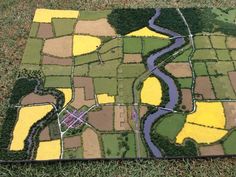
x: 173, y: 93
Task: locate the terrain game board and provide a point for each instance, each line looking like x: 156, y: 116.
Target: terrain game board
x: 124, y: 83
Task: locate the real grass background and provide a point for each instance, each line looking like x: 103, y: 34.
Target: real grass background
x: 15, y: 21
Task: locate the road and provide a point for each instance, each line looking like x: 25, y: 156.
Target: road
x: 173, y: 93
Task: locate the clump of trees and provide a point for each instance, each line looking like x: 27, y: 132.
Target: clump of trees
x: 23, y: 87
x: 127, y: 20
x: 170, y: 149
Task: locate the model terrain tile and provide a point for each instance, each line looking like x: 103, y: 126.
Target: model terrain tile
x: 124, y: 83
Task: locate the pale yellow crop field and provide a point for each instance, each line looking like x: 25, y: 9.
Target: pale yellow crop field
x: 83, y: 44
x: 46, y: 15
x: 26, y: 118
x: 151, y: 92
x: 200, y: 134
x: 49, y: 150
x: 146, y: 32
x: 105, y: 99
x: 67, y: 93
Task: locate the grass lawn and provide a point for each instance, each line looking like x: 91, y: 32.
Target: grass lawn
x: 17, y: 16
x: 229, y: 143
x: 132, y: 45
x: 151, y: 44
x: 170, y: 125
x: 111, y: 85
x: 200, y: 69
x: 119, y: 145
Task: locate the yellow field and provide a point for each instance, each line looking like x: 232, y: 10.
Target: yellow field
x: 83, y: 44
x: 27, y: 117
x: 105, y: 99
x: 46, y: 15
x: 209, y: 114
x: 151, y: 92
x: 67, y: 93
x: 146, y: 32
x: 203, y: 125
x: 49, y: 150
x: 200, y: 134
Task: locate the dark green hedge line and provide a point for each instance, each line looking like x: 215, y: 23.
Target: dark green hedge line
x: 127, y: 20
x: 23, y: 87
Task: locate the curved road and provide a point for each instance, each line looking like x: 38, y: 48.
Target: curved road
x: 173, y: 93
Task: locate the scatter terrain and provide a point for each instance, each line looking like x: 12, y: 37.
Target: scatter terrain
x: 124, y: 83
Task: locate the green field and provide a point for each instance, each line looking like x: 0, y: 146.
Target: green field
x: 185, y: 82
x: 54, y: 70
x: 132, y: 45
x: 151, y: 44
x: 222, y: 87
x: 32, y: 51
x: 119, y: 145
x: 93, y: 15
x: 183, y: 57
x: 218, y: 42
x: 58, y: 81
x: 200, y: 69
x: 73, y: 153
x: 125, y: 94
x: 81, y: 70
x: 233, y: 54
x: 130, y: 70
x: 106, y: 69
x: 34, y: 29
x: 225, y: 14
x: 87, y: 58
x: 229, y: 143
x: 111, y: 84
x: 204, y: 54
x: 112, y: 54
x: 223, y: 55
x: 202, y: 42
x: 63, y: 26
x: 117, y: 42
x: 166, y: 127
x: 220, y: 67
